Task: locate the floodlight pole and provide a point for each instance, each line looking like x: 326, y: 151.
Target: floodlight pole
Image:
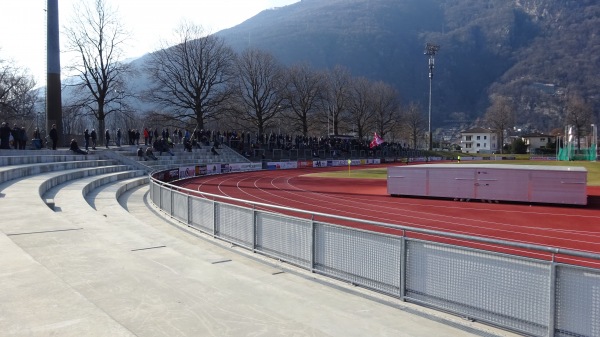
x: 431, y: 50
x: 53, y: 83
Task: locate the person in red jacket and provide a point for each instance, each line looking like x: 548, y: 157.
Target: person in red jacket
x: 146, y: 136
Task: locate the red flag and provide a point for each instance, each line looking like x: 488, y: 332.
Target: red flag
x: 376, y: 141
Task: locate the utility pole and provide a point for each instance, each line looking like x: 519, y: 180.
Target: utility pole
x: 53, y: 85
x: 430, y: 50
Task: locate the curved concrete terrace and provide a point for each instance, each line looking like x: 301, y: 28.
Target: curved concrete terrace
x: 104, y: 262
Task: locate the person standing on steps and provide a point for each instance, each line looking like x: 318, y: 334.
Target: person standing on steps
x: 107, y: 136
x: 54, y: 136
x: 4, y: 136
x: 86, y: 138
x: 119, y: 137
x: 94, y: 136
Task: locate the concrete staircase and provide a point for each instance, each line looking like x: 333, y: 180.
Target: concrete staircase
x: 83, y: 253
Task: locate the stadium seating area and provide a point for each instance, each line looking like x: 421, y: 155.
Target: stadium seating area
x: 83, y: 253
x: 201, y: 155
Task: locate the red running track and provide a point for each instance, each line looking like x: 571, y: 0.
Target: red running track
x: 557, y: 226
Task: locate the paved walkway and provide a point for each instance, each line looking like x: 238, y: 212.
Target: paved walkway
x: 120, y: 269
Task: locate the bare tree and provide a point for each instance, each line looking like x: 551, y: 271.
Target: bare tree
x: 361, y: 107
x: 97, y: 36
x: 336, y: 97
x: 386, y: 106
x: 303, y: 94
x: 73, y: 120
x: 414, y: 123
x: 259, y: 89
x: 193, y: 78
x: 579, y: 114
x: 500, y: 116
x: 17, y: 97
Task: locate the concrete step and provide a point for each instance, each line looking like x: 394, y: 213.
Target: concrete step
x: 19, y: 171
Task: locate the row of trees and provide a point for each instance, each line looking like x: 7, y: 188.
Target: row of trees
x: 501, y: 115
x: 199, y: 79
x: 17, y: 97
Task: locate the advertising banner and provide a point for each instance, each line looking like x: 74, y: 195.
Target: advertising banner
x: 339, y: 162
x: 273, y: 166
x: 187, y: 172
x: 320, y: 163
x: 245, y: 167
x: 289, y: 165
x: 282, y: 165
x: 173, y: 175
x: 213, y: 168
x: 201, y: 170
x: 305, y: 163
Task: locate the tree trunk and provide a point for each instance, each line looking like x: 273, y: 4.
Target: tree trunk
x: 101, y: 131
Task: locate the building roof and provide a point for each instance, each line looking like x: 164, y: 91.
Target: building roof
x: 536, y: 135
x: 478, y: 130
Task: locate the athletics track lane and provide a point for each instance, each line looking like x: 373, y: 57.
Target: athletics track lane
x: 567, y: 227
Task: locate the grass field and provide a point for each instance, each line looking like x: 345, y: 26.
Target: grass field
x: 593, y: 169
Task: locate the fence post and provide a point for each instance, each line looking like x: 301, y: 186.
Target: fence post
x: 552, y: 290
x: 160, y: 201
x: 189, y: 210
x: 254, y: 224
x: 172, y: 193
x: 312, y: 243
x: 214, y: 229
x: 402, y: 266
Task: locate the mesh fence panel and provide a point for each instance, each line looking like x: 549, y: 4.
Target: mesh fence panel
x: 156, y: 194
x: 166, y: 200
x: 508, y: 291
x: 284, y: 237
x: 235, y: 224
x: 368, y: 259
x: 577, y: 302
x: 180, y: 206
x: 202, y: 215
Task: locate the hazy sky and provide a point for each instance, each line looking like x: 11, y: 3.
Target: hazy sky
x: 23, y: 24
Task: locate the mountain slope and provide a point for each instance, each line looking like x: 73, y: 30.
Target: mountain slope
x: 517, y: 48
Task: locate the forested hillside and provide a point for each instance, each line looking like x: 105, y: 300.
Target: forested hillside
x: 534, y: 52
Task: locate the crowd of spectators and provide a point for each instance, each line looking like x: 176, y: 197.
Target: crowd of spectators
x: 249, y: 144
x: 15, y: 138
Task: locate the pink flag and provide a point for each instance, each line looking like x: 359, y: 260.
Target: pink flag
x: 376, y: 141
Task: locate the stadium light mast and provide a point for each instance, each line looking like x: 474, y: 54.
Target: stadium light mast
x: 53, y: 83
x: 430, y: 50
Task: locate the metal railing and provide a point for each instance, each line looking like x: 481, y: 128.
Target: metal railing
x: 532, y: 296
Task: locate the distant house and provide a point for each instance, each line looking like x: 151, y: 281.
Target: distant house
x: 479, y: 140
x: 538, y: 142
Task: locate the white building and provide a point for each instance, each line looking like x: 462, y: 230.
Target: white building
x: 479, y: 140
x: 537, y: 141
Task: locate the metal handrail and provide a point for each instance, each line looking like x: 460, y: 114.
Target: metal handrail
x: 456, y: 236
